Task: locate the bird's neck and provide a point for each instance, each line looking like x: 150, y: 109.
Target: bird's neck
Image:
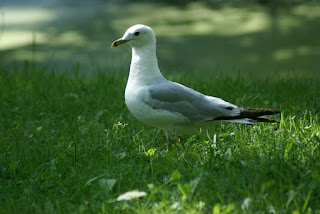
x: 144, y: 66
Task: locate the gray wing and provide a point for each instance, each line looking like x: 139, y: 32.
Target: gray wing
x: 174, y: 97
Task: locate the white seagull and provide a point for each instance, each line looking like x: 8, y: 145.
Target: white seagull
x: 170, y: 106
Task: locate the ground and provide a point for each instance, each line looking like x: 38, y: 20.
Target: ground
x: 69, y: 145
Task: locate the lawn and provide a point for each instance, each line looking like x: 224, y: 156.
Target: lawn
x: 68, y: 144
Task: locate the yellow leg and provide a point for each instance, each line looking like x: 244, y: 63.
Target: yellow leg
x: 182, y: 143
x: 169, y: 144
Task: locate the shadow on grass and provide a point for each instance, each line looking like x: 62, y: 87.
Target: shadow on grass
x: 251, y: 41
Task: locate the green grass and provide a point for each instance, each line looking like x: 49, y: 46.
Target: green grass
x: 253, y: 39
x: 69, y: 145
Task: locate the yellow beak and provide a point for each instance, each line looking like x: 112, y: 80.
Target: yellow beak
x: 118, y: 42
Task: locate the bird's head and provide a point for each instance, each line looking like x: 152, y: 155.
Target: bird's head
x: 137, y: 36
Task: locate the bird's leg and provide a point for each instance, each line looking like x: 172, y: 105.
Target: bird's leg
x: 169, y: 144
x: 182, y: 143
x: 168, y: 135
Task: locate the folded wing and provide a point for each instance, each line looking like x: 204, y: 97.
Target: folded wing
x: 196, y: 107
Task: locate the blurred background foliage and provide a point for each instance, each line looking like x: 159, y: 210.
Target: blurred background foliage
x: 252, y: 38
x: 218, y: 3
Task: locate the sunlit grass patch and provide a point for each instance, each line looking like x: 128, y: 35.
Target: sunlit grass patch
x: 247, y: 39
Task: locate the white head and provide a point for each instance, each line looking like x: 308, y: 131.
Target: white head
x: 137, y: 36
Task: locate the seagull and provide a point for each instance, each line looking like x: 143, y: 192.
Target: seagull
x: 170, y: 106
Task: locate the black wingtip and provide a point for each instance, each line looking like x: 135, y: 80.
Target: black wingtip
x: 257, y: 112
x: 254, y: 114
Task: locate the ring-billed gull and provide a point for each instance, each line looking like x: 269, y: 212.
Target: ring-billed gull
x: 170, y: 106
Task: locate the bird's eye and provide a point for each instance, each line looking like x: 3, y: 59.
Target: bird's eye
x: 136, y: 33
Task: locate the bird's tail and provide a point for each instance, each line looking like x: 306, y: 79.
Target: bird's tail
x: 250, y: 116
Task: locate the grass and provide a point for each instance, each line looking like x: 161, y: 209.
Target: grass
x: 69, y: 145
x: 243, y: 37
